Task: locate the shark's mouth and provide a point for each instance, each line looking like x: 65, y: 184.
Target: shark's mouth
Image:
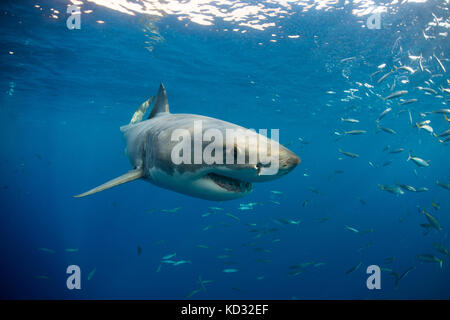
x: 230, y: 184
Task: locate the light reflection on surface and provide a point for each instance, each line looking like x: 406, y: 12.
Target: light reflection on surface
x: 257, y: 15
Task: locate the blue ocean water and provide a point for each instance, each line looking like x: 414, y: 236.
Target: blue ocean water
x: 297, y: 66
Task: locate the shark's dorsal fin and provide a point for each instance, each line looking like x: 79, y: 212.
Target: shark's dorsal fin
x: 127, y: 177
x: 161, y: 104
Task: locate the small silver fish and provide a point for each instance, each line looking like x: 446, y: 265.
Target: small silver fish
x: 396, y: 94
x: 409, y: 101
x: 440, y: 63
x: 384, y: 77
x: 418, y: 161
x: 385, y: 112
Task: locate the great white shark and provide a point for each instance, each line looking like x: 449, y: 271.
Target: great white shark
x: 149, y: 146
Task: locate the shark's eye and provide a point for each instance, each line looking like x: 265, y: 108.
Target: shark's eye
x: 263, y: 165
x: 235, y: 153
x: 260, y: 165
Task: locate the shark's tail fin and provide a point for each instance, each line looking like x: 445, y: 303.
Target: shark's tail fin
x: 127, y: 177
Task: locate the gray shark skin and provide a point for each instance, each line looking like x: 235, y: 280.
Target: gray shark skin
x: 149, y: 147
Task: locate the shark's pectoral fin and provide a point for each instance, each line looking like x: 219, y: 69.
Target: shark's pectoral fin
x: 127, y: 177
x: 140, y: 112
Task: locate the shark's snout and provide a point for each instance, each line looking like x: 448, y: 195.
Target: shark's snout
x: 288, y: 161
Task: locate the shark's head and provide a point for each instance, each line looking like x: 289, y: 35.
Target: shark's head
x: 231, y: 181
x: 194, y: 155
